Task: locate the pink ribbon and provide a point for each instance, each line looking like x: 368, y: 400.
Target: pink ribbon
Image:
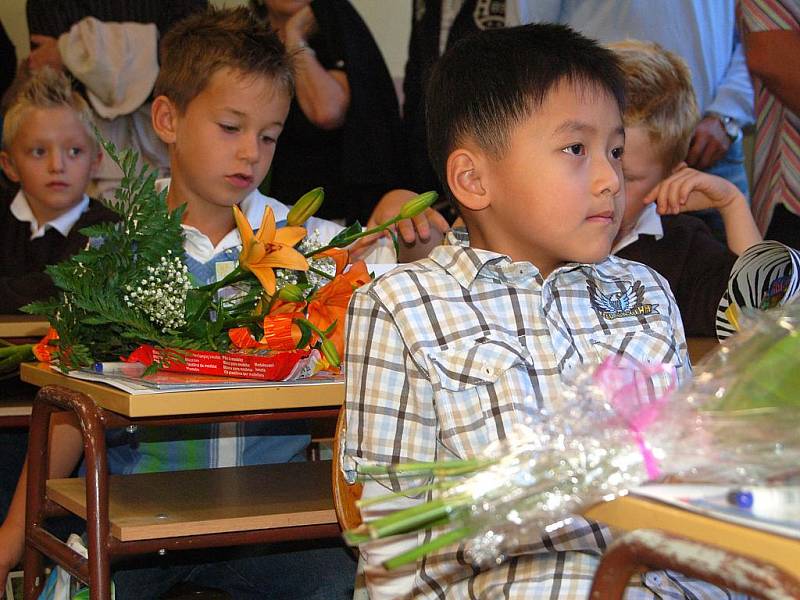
x: 626, y: 383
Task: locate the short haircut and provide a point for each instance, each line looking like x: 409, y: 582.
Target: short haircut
x: 206, y: 42
x: 487, y: 84
x: 44, y: 88
x: 660, y: 97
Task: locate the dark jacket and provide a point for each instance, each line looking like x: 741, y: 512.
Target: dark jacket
x: 23, y: 261
x: 695, y: 264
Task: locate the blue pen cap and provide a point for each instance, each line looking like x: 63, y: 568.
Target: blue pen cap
x: 741, y: 499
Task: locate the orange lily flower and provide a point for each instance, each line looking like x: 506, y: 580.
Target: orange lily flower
x: 330, y: 302
x: 269, y: 249
x: 43, y: 351
x: 281, y: 332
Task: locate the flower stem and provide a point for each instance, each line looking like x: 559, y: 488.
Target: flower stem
x: 436, y: 543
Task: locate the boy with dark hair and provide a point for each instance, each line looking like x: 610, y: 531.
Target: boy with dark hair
x: 445, y: 355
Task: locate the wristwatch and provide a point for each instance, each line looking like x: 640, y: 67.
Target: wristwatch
x: 729, y: 125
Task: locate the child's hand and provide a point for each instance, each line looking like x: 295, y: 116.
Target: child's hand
x: 688, y: 189
x: 423, y: 230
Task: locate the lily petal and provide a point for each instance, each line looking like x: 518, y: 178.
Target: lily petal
x: 285, y: 257
x: 266, y: 233
x: 289, y: 235
x: 266, y: 276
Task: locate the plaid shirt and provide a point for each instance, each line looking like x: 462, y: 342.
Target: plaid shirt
x: 445, y: 354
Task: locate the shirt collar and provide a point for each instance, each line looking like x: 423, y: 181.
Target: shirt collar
x: 63, y: 223
x: 649, y: 223
x: 466, y: 264
x: 199, y: 246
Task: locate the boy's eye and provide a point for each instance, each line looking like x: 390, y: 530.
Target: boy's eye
x: 618, y: 152
x: 73, y: 152
x: 575, y: 149
x: 37, y: 152
x: 268, y: 139
x: 228, y: 128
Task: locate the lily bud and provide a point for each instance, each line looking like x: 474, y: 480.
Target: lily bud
x: 305, y: 207
x: 291, y: 293
x: 329, y: 352
x: 417, y: 205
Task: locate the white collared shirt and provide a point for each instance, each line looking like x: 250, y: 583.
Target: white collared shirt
x: 649, y: 223
x: 64, y: 223
x: 198, y: 246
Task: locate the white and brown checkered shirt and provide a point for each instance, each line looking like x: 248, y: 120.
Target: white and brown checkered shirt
x: 445, y: 354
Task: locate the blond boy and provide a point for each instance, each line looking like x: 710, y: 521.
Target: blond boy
x: 50, y: 151
x: 660, y: 116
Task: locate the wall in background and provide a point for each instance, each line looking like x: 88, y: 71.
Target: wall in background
x: 389, y: 21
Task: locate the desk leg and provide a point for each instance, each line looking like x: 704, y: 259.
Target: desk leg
x: 49, y: 400
x: 38, y: 459
x: 97, y: 518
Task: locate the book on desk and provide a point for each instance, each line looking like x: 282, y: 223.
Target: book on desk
x: 130, y: 378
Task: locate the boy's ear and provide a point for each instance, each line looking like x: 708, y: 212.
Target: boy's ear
x: 8, y: 166
x: 464, y: 179
x: 163, y: 114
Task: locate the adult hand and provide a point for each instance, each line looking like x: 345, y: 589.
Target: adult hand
x: 709, y: 144
x: 301, y: 26
x: 45, y: 53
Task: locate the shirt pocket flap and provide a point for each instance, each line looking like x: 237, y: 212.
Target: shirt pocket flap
x: 477, y: 362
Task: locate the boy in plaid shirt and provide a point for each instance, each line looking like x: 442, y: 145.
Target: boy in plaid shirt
x: 446, y: 354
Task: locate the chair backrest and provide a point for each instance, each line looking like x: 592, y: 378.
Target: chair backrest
x: 345, y: 495
x: 652, y: 549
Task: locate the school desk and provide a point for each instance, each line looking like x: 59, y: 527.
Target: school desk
x: 161, y: 512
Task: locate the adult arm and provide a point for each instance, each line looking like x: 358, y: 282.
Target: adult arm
x: 767, y: 53
x: 323, y: 94
x: 734, y: 96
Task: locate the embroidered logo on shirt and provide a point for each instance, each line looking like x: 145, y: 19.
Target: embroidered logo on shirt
x: 617, y: 305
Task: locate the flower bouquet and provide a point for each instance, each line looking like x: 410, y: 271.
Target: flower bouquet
x: 129, y: 293
x: 736, y: 422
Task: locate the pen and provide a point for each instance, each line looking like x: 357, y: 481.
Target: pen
x: 767, y: 502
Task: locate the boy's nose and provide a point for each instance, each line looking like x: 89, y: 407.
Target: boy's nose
x: 56, y: 162
x: 608, y: 177
x: 248, y: 149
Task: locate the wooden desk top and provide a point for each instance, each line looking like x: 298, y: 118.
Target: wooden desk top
x: 18, y: 326
x: 230, y: 400
x: 633, y: 512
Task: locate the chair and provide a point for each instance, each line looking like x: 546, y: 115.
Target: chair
x: 651, y: 549
x: 345, y: 495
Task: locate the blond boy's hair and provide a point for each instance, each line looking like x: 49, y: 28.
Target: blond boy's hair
x: 214, y: 39
x: 659, y: 97
x: 44, y: 88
